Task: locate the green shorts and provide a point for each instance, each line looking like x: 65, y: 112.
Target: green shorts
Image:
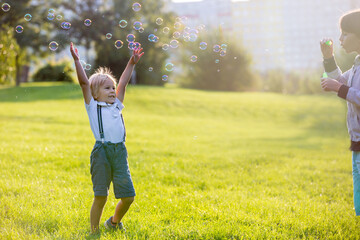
x: 108, y: 163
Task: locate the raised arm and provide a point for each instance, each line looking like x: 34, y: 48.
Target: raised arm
x: 81, y: 75
x: 126, y: 75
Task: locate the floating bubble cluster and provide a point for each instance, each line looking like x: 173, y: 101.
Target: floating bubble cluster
x: 170, y: 37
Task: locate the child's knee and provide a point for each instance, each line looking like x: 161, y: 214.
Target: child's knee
x: 128, y: 200
x: 100, y: 200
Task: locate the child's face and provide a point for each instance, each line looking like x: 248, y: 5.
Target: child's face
x: 106, y: 92
x: 350, y: 42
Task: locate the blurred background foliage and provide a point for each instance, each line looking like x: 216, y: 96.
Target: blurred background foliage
x: 210, y: 71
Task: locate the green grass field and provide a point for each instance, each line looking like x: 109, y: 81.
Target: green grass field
x: 206, y: 165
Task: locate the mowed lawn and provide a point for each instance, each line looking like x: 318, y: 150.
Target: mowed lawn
x: 205, y: 165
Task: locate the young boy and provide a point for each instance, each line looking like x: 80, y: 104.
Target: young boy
x: 104, y: 103
x: 347, y: 86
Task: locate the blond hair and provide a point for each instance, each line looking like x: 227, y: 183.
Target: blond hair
x: 98, y: 79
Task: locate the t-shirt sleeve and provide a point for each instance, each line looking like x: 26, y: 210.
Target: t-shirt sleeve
x: 91, y: 103
x: 120, y: 104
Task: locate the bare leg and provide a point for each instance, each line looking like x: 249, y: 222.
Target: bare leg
x: 96, y: 212
x: 121, y: 208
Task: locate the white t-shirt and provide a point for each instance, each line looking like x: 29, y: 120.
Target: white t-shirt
x: 114, y: 129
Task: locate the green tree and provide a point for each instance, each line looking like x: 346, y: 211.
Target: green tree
x: 34, y: 38
x: 8, y: 53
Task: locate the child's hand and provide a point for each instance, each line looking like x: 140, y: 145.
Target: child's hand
x: 74, y: 52
x: 328, y: 84
x: 137, y: 54
x: 327, y: 48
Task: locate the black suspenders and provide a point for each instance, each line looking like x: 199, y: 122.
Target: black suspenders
x: 101, y: 128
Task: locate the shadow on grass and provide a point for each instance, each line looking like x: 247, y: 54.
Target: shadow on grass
x: 40, y: 92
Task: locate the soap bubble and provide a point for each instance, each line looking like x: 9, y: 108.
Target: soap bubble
x: 165, y: 46
x: 137, y: 45
x: 151, y: 37
x: 141, y: 30
x: 222, y: 53
x: 53, y: 46
x: 216, y: 48
x: 164, y: 78
x: 27, y: 17
x: 66, y: 25
x: 136, y: 7
x: 193, y: 37
x: 203, y: 45
x: 123, y: 23
x: 193, y: 58
x: 166, y: 30
x: 177, y: 25
x: 51, y: 10
x: 51, y: 16
x: 108, y: 36
x: 176, y: 35
x: 217, y: 61
x: 150, y: 69
x: 130, y: 38
x: 87, y: 22
x: 19, y: 29
x: 118, y: 44
x: 174, y: 43
x: 159, y: 21
x: 169, y: 67
x: 137, y: 25
x: 5, y: 7
x: 131, y: 45
x: 223, y: 47
x: 156, y: 39
x: 58, y: 17
x: 87, y: 67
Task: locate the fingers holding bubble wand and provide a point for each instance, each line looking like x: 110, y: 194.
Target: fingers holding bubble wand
x: 327, y: 48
